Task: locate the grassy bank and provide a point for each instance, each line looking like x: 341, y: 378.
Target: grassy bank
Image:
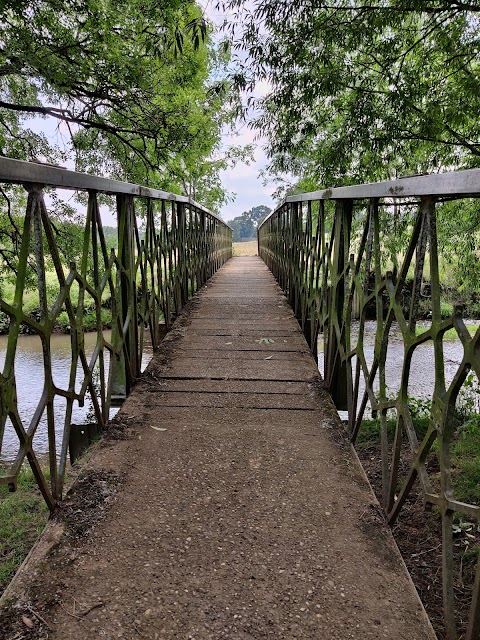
x: 23, y: 515
x: 31, y: 306
x: 465, y: 450
x: 451, y: 334
x: 418, y: 529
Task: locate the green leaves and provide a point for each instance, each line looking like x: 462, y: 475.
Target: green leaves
x: 197, y: 30
x: 245, y: 226
x: 128, y: 82
x: 362, y: 92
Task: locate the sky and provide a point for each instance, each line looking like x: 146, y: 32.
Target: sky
x: 243, y: 180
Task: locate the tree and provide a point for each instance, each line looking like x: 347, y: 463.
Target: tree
x: 130, y: 84
x: 200, y: 180
x: 137, y: 88
x: 245, y: 226
x: 363, y: 90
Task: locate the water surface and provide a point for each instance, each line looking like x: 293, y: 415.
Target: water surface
x: 30, y: 380
x: 30, y: 376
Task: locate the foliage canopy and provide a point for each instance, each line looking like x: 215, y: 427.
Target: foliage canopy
x: 136, y: 87
x: 363, y: 90
x: 245, y: 225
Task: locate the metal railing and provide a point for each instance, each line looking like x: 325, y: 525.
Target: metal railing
x: 327, y: 250
x: 157, y: 267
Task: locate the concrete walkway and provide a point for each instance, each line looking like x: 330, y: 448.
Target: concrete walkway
x: 233, y: 508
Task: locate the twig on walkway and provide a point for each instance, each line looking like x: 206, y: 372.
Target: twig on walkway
x: 68, y: 612
x: 94, y: 606
x: 39, y: 617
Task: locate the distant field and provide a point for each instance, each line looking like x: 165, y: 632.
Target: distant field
x: 245, y: 248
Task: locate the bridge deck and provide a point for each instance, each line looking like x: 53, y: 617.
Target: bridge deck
x: 240, y: 515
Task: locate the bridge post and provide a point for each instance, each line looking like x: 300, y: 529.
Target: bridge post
x: 164, y: 240
x: 203, y: 244
x: 182, y: 253
x: 474, y: 622
x: 126, y: 368
x: 336, y: 375
x: 293, y: 230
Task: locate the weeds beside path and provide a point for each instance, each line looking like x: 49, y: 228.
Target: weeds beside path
x: 23, y: 516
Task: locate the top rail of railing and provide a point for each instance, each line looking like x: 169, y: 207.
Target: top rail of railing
x: 21, y: 172
x: 453, y: 183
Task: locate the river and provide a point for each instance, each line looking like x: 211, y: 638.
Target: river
x: 30, y: 377
x: 422, y: 372
x: 30, y: 380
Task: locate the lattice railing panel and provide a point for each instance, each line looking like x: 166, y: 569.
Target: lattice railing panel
x: 162, y: 258
x: 332, y: 255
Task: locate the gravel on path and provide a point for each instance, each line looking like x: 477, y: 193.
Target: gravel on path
x: 225, y: 503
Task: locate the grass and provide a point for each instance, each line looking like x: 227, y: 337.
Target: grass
x: 245, y: 248
x: 89, y: 320
x: 466, y: 461
x: 451, y: 334
x: 31, y: 300
x: 465, y: 450
x: 23, y: 516
x: 369, y: 434
x: 31, y: 304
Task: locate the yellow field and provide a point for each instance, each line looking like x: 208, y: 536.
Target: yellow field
x: 245, y: 248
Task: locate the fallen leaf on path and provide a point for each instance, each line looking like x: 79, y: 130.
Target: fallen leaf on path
x: 228, y: 342
x: 157, y: 428
x: 269, y: 358
x: 27, y: 622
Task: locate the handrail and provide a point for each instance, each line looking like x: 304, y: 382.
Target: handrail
x: 452, y: 183
x: 328, y: 250
x: 21, y: 172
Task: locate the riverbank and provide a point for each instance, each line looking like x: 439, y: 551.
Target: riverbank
x: 62, y: 324
x: 418, y: 531
x: 23, y: 516
x: 31, y: 307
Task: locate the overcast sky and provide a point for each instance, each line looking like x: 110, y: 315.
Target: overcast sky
x: 243, y: 180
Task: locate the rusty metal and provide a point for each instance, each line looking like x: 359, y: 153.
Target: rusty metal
x: 151, y: 276
x: 327, y: 251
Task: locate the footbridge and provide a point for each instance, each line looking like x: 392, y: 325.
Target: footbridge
x: 224, y: 498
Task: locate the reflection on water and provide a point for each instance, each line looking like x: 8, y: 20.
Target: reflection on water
x: 30, y: 376
x: 30, y: 379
